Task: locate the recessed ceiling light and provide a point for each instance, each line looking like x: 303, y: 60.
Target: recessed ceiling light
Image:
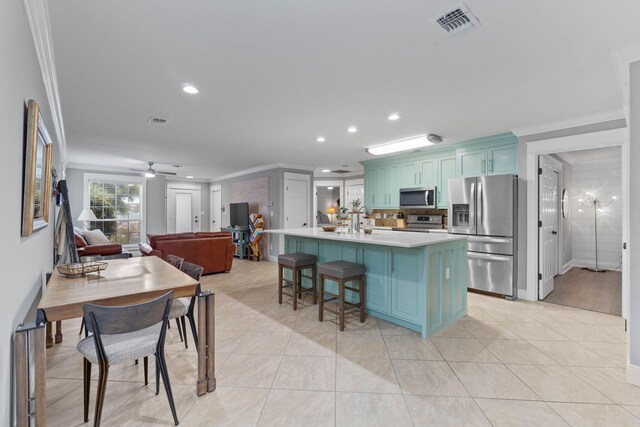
x: 329, y: 188
x: 326, y: 170
x: 192, y: 90
x: 352, y: 129
x: 393, y: 116
x: 320, y: 139
x: 405, y: 144
x: 189, y: 176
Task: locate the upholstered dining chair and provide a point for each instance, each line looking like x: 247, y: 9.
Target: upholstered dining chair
x: 177, y: 261
x: 174, y: 260
x: 184, y: 306
x: 120, y: 334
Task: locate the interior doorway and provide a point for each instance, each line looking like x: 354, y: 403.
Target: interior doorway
x: 296, y: 200
x: 183, y: 208
x: 589, y: 204
x: 327, y: 200
x: 216, y: 208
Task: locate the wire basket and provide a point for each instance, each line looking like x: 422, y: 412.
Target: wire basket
x: 82, y: 268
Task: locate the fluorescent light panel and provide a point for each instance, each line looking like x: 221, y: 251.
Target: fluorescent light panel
x: 403, y: 145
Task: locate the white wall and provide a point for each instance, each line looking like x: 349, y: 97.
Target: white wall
x: 634, y: 226
x: 570, y: 208
x: 604, y: 178
x: 23, y: 261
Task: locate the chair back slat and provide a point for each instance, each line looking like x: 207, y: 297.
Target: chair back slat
x: 130, y: 318
x: 174, y: 260
x: 193, y: 270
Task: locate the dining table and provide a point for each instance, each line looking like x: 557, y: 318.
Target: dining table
x: 126, y: 282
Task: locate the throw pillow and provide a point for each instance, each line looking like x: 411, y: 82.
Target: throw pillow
x: 80, y: 242
x: 96, y: 237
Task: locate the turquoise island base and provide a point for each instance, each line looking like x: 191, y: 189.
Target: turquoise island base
x: 415, y: 280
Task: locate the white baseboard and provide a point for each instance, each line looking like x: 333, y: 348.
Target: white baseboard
x: 566, y: 267
x: 577, y: 262
x: 633, y: 374
x: 524, y: 294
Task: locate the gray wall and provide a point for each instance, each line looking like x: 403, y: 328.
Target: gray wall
x: 327, y: 198
x: 23, y: 261
x: 156, y: 199
x: 634, y: 206
x: 276, y: 196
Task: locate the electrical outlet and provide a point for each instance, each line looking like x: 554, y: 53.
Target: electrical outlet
x: 447, y: 274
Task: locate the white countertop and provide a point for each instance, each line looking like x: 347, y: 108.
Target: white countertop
x: 378, y: 237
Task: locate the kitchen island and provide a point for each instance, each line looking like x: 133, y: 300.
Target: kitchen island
x: 415, y: 280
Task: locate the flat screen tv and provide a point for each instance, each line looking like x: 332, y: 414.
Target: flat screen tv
x: 239, y: 214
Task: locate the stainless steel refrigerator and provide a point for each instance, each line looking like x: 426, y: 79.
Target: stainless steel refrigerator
x: 485, y: 209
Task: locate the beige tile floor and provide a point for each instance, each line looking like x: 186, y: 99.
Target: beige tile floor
x: 506, y: 364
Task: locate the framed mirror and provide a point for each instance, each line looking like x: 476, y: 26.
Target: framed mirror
x: 564, y: 203
x: 36, y: 191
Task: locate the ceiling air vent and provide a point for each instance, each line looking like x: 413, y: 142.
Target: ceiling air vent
x: 458, y: 21
x: 157, y: 121
x: 340, y: 171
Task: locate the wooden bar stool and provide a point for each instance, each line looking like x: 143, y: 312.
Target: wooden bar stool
x: 342, y: 272
x: 296, y: 263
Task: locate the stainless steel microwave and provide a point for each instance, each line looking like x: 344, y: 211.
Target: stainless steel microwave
x: 418, y: 198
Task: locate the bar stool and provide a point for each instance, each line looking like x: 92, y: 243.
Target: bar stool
x: 296, y: 263
x: 342, y: 272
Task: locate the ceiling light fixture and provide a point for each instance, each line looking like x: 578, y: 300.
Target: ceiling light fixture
x: 320, y: 139
x: 403, y: 145
x: 352, y: 129
x: 191, y: 90
x: 150, y: 173
x: 326, y: 170
x: 329, y: 188
x: 189, y: 176
x: 393, y: 116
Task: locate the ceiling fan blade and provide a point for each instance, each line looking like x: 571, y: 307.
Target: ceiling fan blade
x: 166, y: 173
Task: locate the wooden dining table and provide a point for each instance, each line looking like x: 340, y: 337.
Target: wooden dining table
x: 125, y: 282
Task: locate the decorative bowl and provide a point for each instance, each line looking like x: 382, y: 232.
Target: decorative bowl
x: 329, y: 227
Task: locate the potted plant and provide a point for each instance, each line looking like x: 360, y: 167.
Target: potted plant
x: 343, y: 213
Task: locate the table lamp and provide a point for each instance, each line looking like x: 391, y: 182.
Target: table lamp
x: 87, y: 215
x: 330, y: 211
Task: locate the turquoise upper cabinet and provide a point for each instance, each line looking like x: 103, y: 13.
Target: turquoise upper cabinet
x: 408, y: 175
x: 380, y: 193
x: 369, y: 182
x: 395, y: 176
x: 472, y: 161
x: 427, y: 172
x: 446, y: 170
x: 502, y: 159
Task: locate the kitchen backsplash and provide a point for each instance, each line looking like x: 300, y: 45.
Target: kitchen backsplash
x: 391, y: 220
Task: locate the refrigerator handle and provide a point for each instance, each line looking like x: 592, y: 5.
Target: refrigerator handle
x: 481, y: 206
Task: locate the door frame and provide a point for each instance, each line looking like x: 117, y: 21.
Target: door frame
x: 606, y: 138
x: 325, y: 183
x: 175, y: 185
x: 213, y: 188
x: 557, y: 167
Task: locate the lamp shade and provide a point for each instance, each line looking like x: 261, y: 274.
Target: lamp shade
x: 330, y: 211
x: 87, y: 215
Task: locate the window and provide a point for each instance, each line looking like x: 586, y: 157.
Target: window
x: 118, y: 203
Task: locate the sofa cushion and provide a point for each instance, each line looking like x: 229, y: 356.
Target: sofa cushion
x: 174, y: 236
x: 96, y: 237
x: 80, y: 242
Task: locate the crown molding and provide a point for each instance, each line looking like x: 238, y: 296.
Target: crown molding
x: 38, y: 15
x: 263, y: 168
x: 588, y: 119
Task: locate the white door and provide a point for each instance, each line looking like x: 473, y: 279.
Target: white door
x: 548, y: 241
x: 355, y: 191
x: 296, y: 200
x: 216, y: 208
x: 183, y: 209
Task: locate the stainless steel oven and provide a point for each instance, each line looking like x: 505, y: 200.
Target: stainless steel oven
x: 418, y: 198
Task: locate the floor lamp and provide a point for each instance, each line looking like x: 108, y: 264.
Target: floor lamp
x: 593, y: 202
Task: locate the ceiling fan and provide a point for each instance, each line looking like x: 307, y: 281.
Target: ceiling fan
x: 151, y: 172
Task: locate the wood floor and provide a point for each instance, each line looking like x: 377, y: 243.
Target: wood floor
x: 588, y: 290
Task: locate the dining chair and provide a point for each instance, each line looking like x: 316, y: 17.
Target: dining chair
x: 184, y: 306
x: 176, y: 261
x: 120, y: 334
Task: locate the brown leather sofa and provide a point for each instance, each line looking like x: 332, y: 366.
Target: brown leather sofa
x: 105, y: 251
x: 211, y: 250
